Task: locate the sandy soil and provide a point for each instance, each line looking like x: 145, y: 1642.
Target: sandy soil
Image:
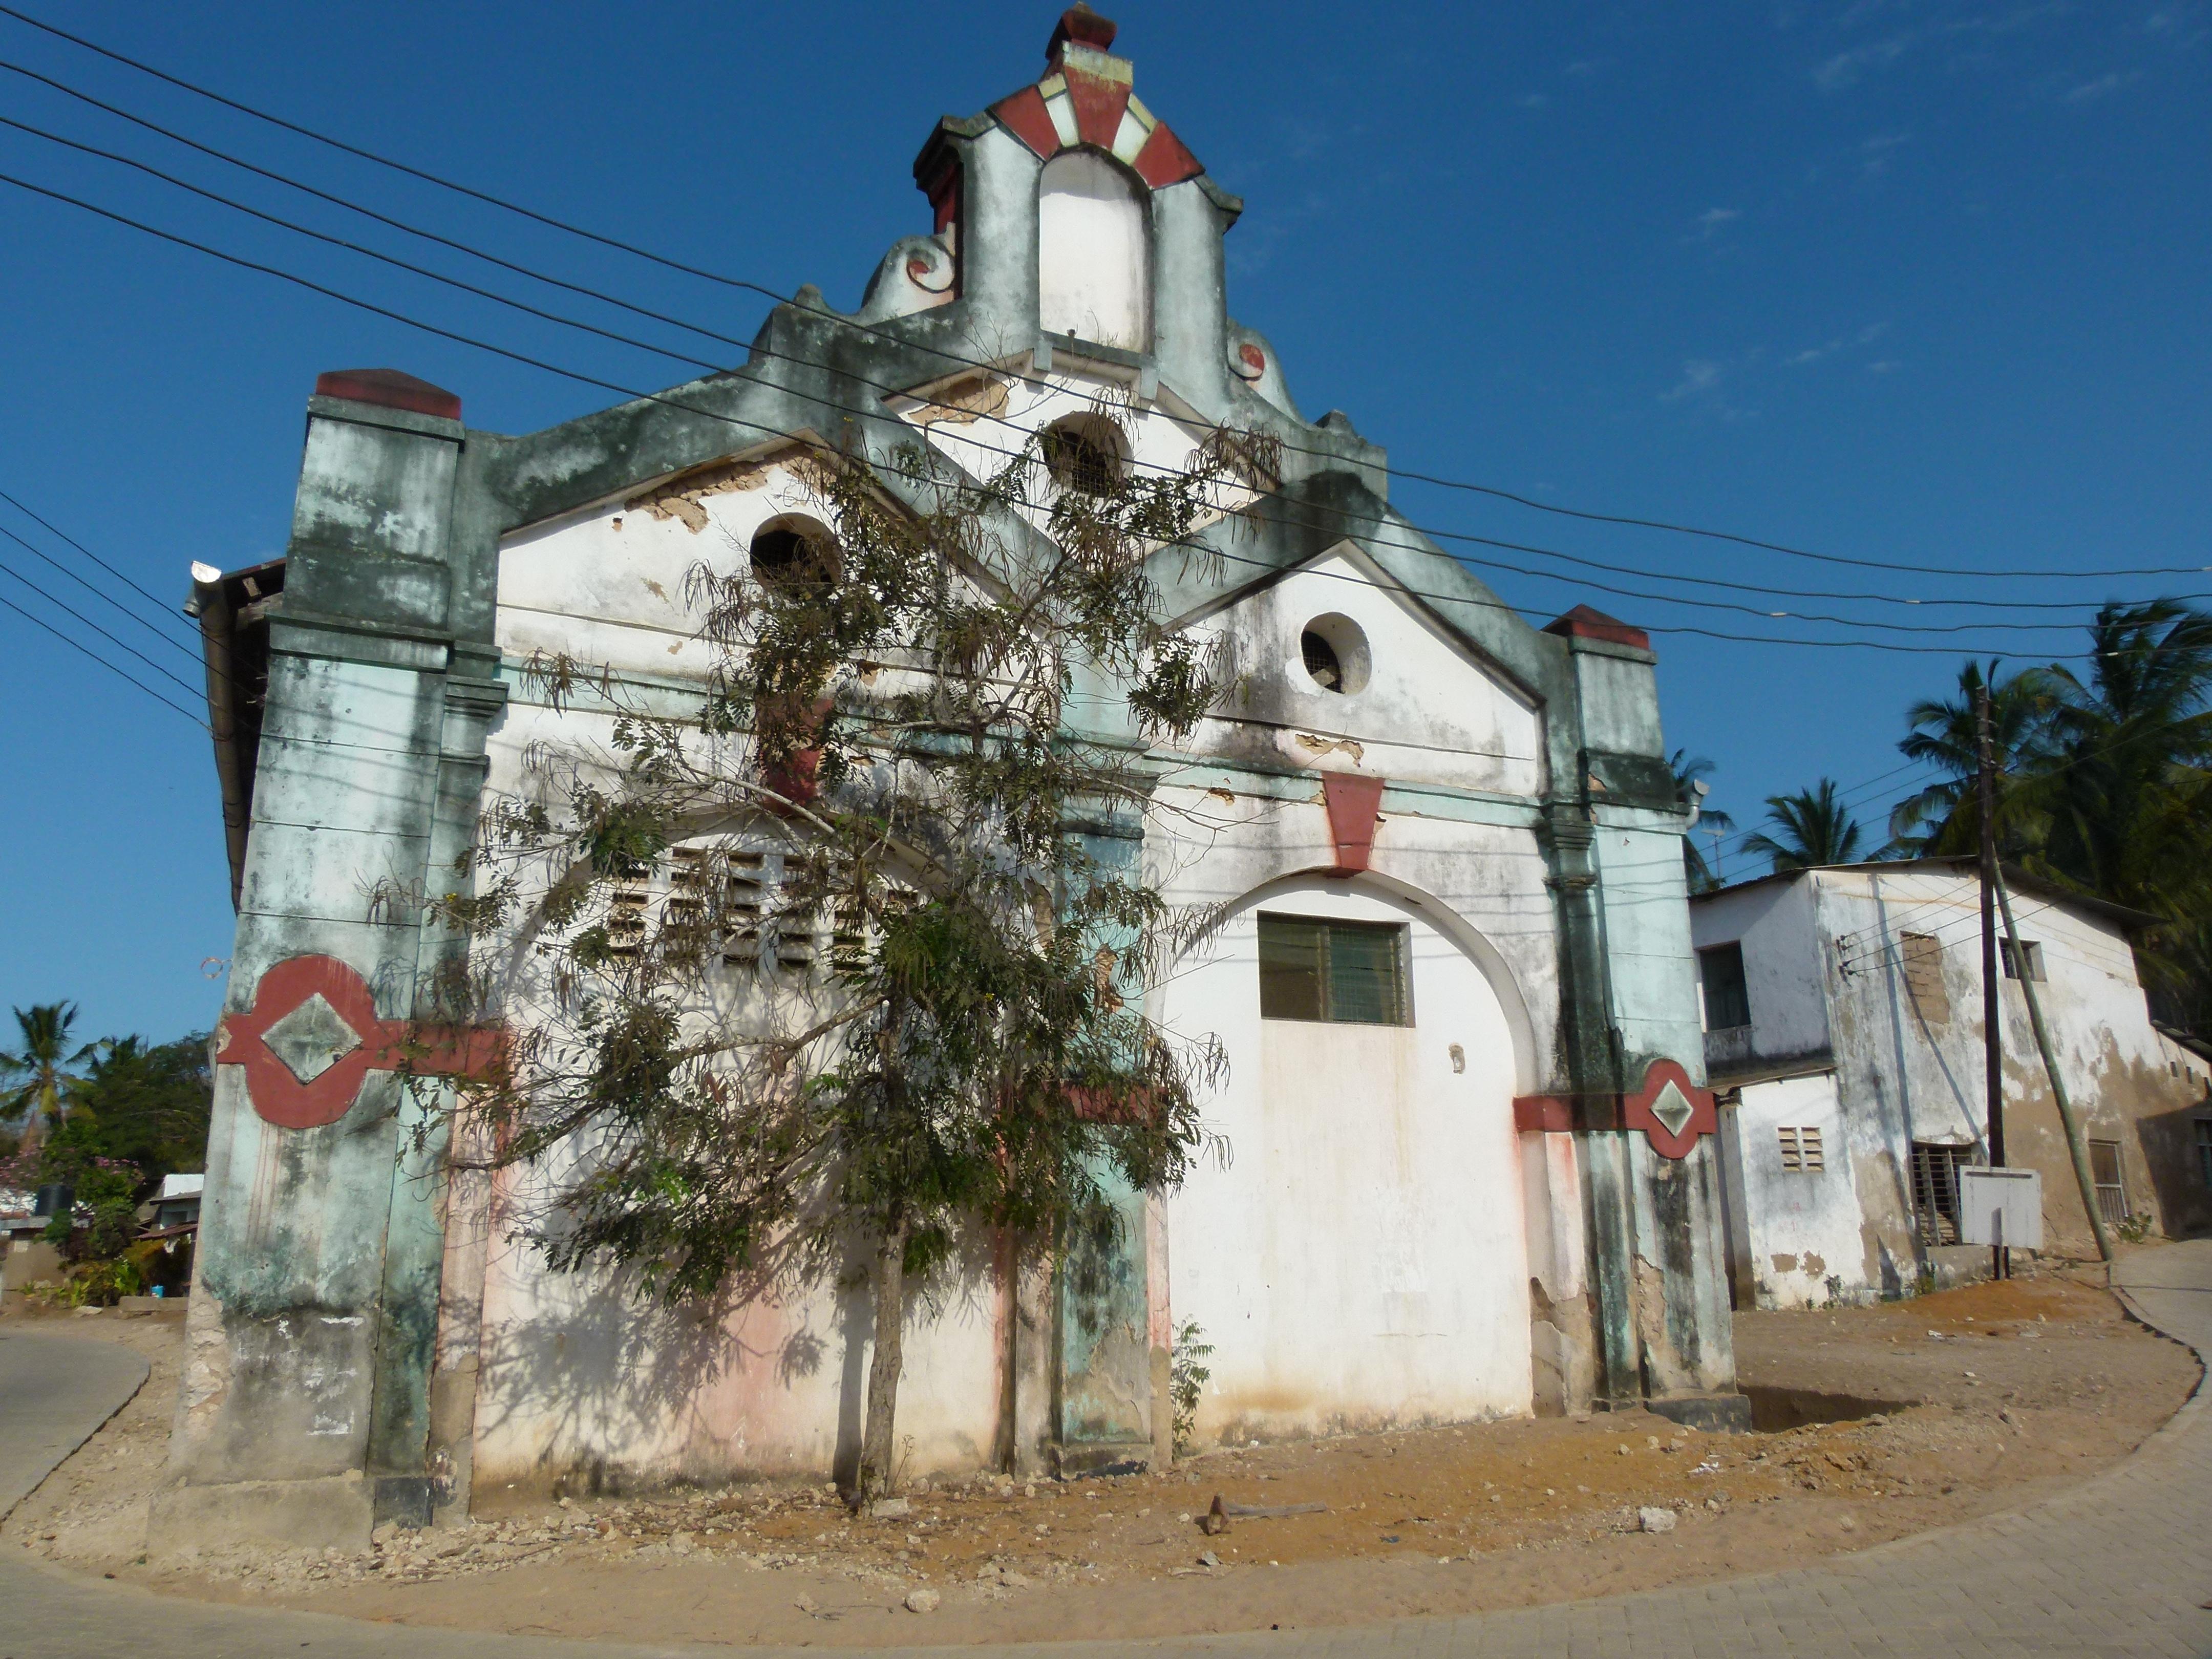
x: 1873, y: 1423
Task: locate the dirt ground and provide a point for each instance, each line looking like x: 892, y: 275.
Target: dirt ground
x: 1873, y: 1422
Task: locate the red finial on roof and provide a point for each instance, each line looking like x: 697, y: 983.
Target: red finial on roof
x: 1082, y: 25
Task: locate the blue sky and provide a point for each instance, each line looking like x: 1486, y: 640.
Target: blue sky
x: 1919, y: 282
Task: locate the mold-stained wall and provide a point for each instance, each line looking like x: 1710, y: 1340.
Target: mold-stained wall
x: 1864, y: 985
x: 1458, y: 1218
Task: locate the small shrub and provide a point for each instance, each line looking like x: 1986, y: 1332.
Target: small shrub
x: 102, y: 1284
x: 1187, y: 1377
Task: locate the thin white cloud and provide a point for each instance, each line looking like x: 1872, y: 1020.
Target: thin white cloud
x: 1533, y: 101
x: 1846, y: 68
x: 1713, y: 218
x: 1699, y: 374
x: 1876, y: 153
x: 2110, y: 81
x: 1866, y: 335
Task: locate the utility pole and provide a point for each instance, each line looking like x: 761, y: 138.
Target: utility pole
x: 2075, y: 1143
x: 1992, y: 1010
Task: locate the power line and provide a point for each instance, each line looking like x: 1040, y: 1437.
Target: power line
x: 356, y: 248
x: 159, y: 604
x: 11, y: 570
x: 534, y: 274
x: 703, y: 363
x: 100, y: 593
x: 612, y: 386
x: 745, y: 285
x: 88, y: 651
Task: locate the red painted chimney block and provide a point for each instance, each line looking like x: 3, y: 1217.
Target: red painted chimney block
x: 389, y: 388
x: 1584, y: 623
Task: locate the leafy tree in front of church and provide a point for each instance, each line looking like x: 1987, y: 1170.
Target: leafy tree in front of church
x: 837, y: 970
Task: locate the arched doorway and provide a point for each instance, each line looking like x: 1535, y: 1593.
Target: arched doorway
x: 1361, y: 1259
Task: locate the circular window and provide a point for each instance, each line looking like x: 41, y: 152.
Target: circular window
x: 1084, y: 455
x: 794, y: 552
x: 1334, y: 653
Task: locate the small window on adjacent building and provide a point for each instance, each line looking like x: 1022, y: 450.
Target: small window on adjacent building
x: 2112, y: 1187
x: 1354, y: 972
x: 2204, y: 1149
x: 2028, y: 952
x: 1936, y: 1189
x: 1728, y: 1004
x: 1800, y: 1149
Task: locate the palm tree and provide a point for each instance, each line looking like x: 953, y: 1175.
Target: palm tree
x: 41, y: 1071
x: 2127, y: 787
x: 1946, y: 816
x: 1689, y: 771
x: 1814, y: 828
x: 2125, y: 796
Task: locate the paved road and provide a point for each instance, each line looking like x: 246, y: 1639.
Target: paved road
x: 54, y: 1392
x: 2117, y: 1566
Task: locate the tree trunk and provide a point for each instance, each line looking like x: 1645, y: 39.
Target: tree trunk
x: 888, y: 1281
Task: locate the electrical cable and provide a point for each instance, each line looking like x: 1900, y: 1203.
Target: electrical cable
x: 111, y: 667
x: 751, y: 348
x: 159, y: 604
x: 712, y: 366
x: 766, y: 431
x: 764, y: 291
x: 100, y: 593
x: 11, y: 570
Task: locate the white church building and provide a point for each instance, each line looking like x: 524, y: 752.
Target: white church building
x: 1474, y: 1172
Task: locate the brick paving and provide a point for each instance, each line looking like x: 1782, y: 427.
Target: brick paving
x: 2118, y: 1565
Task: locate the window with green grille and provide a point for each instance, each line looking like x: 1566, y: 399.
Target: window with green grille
x: 1354, y: 972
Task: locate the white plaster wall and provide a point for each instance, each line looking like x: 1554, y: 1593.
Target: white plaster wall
x: 1428, y: 1312
x: 1429, y: 711
x: 1803, y: 1227
x: 1927, y: 1076
x: 579, y: 1374
x: 1361, y: 1258
x: 1783, y: 973
x: 1094, y: 255
x: 1480, y: 881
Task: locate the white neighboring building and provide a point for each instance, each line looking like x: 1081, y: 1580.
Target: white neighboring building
x: 1842, y: 1013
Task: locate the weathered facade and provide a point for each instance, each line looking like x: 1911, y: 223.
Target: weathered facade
x: 1843, y: 1033
x: 1496, y: 1192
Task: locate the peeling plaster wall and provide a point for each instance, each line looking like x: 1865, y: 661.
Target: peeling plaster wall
x: 1784, y: 976
x: 1426, y: 709
x: 1805, y: 1246
x: 1895, y: 952
x: 1356, y: 1253
x: 1529, y: 836
x: 581, y: 1380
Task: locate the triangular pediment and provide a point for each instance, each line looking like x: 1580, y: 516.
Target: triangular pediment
x: 1333, y: 661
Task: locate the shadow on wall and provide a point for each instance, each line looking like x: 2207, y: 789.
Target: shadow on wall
x: 2168, y: 1142
x: 618, y: 1393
